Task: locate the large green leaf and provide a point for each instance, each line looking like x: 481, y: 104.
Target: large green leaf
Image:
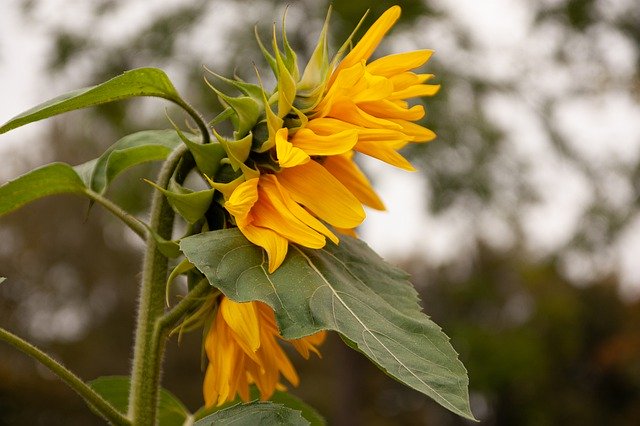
x: 54, y: 178
x: 279, y: 397
x: 138, y: 82
x: 346, y: 288
x: 115, y: 389
x: 254, y: 414
x: 131, y: 150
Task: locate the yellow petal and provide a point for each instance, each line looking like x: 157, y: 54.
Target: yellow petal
x: 308, y: 344
x: 415, y: 91
x: 242, y: 199
x: 351, y: 113
x: 398, y: 63
x: 242, y: 318
x: 274, y: 244
x: 303, y: 215
x: 386, y: 109
x: 348, y: 173
x: 416, y: 131
x: 288, y: 155
x: 331, y: 144
x: 315, y: 188
x: 384, y: 152
x: 372, y: 38
x: 272, y: 213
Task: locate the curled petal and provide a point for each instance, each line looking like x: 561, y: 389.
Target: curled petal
x: 334, y: 204
x: 348, y: 173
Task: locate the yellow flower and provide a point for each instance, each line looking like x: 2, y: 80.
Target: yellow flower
x: 243, y: 348
x: 371, y: 98
x: 360, y: 106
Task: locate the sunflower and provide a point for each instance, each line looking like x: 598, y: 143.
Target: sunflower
x: 243, y: 349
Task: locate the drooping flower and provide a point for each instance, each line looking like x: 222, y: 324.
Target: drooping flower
x: 243, y: 348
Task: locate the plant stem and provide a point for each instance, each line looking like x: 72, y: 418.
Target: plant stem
x: 147, y: 356
x: 204, y: 130
x: 92, y: 398
x: 134, y: 224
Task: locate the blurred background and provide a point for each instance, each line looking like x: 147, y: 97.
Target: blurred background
x: 521, y: 230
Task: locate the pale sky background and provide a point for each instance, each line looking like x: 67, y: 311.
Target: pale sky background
x: 602, y: 125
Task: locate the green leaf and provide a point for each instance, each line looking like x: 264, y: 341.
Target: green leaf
x: 2, y: 279
x: 254, y: 413
x: 131, y: 150
x: 279, y: 397
x: 138, y: 82
x: 115, y: 389
x: 307, y: 411
x: 191, y: 205
x: 346, y: 288
x: 207, y: 156
x: 54, y: 178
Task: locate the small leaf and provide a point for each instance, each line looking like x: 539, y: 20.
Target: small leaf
x: 54, y: 178
x: 346, y: 288
x: 138, y: 82
x: 191, y: 205
x: 237, y: 150
x: 254, y: 413
x: 206, y: 156
x: 2, y: 279
x: 115, y: 389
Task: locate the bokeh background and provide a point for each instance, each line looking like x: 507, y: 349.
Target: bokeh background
x: 521, y: 230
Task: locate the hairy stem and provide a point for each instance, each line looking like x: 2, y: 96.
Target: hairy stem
x: 147, y: 355
x: 92, y: 398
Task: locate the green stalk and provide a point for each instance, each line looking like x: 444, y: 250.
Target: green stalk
x: 92, y: 398
x: 147, y: 355
x: 134, y: 224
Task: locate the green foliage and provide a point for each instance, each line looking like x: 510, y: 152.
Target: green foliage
x: 346, y: 288
x: 254, y: 413
x: 191, y: 205
x: 115, y: 389
x: 131, y: 150
x: 284, y: 398
x: 138, y: 82
x: 54, y: 178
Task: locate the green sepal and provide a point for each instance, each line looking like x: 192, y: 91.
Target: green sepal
x: 191, y: 205
x: 290, y: 57
x: 247, y: 111
x: 206, y: 156
x: 115, y: 389
x: 51, y: 179
x: 237, y: 150
x: 267, y: 55
x: 170, y: 249
x: 316, y: 73
x: 286, y: 81
x: 249, y: 89
x: 224, y: 115
x: 181, y: 268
